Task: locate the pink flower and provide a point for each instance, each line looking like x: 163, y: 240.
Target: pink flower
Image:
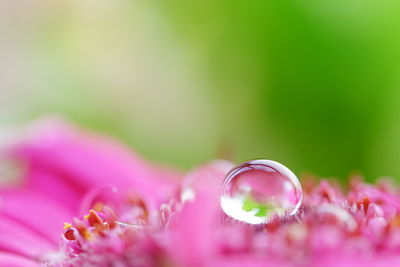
x: 66, y: 169
x: 360, y: 228
x: 118, y: 210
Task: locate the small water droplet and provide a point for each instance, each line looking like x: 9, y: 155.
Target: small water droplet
x: 99, y: 197
x: 128, y: 208
x: 260, y: 190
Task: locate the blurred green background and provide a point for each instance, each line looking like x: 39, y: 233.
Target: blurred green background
x: 313, y: 84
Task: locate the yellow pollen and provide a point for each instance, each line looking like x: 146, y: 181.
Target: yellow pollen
x: 67, y: 226
x: 86, y: 234
x: 86, y: 217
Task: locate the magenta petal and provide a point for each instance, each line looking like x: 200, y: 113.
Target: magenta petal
x: 18, y: 239
x: 55, y: 187
x: 191, y: 235
x: 12, y: 260
x: 336, y: 259
x: 249, y: 261
x: 35, y: 211
x: 61, y: 159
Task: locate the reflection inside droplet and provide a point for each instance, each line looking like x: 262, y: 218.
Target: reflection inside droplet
x: 257, y: 191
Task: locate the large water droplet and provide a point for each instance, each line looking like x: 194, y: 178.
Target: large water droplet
x: 260, y: 190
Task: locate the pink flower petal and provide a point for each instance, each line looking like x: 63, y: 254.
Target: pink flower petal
x: 191, y: 235
x: 12, y: 260
x: 248, y: 261
x: 35, y: 211
x: 18, y: 239
x: 63, y: 161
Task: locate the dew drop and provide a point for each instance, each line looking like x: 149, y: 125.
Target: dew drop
x: 258, y: 191
x: 130, y: 210
x: 99, y: 197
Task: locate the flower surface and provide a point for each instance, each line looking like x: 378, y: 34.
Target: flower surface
x: 86, y: 200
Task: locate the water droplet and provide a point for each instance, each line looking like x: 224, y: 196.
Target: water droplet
x: 129, y: 209
x: 99, y: 197
x: 260, y: 190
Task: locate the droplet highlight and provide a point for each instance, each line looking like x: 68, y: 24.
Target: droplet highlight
x: 258, y: 191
